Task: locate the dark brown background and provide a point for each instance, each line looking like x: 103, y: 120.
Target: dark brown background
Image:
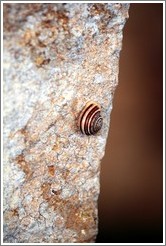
x: 130, y: 202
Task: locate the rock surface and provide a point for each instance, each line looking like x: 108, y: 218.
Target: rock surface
x: 57, y: 57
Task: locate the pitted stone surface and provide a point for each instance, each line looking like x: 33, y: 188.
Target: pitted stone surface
x: 56, y: 58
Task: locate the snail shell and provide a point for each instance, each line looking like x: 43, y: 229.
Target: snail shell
x: 90, y: 120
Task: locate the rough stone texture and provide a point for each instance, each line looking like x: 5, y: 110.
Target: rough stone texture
x: 56, y: 58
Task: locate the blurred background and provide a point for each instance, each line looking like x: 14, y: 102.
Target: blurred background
x: 130, y: 202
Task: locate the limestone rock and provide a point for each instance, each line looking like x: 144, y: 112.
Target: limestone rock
x: 57, y: 57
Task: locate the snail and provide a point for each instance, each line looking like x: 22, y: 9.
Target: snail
x: 90, y: 120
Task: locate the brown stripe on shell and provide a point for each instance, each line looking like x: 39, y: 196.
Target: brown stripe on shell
x: 96, y: 123
x: 90, y: 120
x: 85, y: 113
x: 96, y: 126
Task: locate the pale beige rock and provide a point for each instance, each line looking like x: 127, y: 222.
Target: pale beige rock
x: 56, y: 58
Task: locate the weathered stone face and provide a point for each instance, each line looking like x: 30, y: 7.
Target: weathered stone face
x: 56, y: 58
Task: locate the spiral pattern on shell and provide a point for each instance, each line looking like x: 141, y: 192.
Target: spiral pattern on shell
x: 90, y: 120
